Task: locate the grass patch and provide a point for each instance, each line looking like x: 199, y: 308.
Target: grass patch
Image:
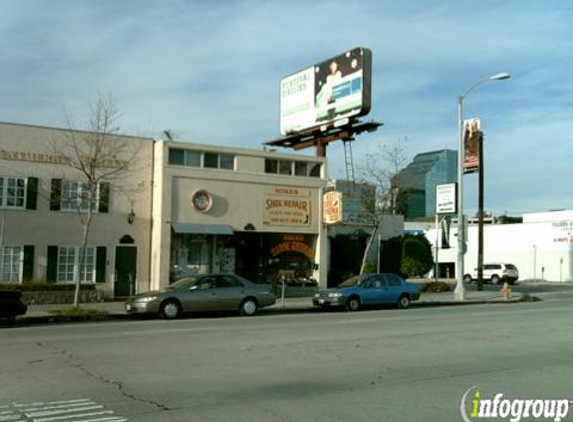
x: 528, y: 298
x: 79, y: 314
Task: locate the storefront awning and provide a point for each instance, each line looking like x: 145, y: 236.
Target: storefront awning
x: 202, y: 228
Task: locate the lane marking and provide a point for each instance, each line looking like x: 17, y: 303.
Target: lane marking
x: 78, y: 410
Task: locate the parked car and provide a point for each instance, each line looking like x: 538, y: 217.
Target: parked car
x: 10, y: 304
x: 495, y: 273
x: 202, y: 293
x: 368, y: 290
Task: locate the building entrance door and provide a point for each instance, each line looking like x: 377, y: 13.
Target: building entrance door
x: 125, y: 270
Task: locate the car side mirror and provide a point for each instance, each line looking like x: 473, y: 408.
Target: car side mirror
x: 193, y: 288
x: 367, y: 285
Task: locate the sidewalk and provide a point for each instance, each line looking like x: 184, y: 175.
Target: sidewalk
x: 116, y: 310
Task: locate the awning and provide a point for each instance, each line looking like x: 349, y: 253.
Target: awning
x: 202, y: 228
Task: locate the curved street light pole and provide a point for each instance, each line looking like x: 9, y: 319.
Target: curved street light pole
x: 460, y: 291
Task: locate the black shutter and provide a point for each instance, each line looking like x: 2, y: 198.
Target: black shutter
x: 100, y: 264
x: 56, y: 195
x: 32, y: 193
x: 28, y: 267
x: 52, y: 269
x: 103, y: 197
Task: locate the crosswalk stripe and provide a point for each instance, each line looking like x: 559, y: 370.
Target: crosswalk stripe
x: 49, y: 403
x: 11, y: 418
x: 61, y: 406
x: 69, y: 417
x: 78, y: 410
x: 61, y: 411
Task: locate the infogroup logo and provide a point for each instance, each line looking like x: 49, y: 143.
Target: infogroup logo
x: 474, y: 406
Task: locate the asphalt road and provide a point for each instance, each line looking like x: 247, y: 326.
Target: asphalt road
x: 383, y: 365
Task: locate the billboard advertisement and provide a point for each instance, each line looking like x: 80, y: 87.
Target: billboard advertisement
x: 472, y: 139
x: 332, y: 90
x: 332, y: 207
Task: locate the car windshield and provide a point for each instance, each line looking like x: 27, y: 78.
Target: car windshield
x: 184, y: 283
x: 351, y: 282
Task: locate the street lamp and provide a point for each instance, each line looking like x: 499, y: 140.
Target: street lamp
x: 460, y: 292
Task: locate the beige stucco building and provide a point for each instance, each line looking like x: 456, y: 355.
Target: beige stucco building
x: 40, y: 226
x: 180, y: 208
x: 253, y: 212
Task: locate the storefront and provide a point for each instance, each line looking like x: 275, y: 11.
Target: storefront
x: 254, y: 213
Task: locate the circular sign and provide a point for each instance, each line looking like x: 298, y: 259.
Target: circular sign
x: 202, y: 200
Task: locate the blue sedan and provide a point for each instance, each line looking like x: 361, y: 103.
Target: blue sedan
x: 368, y: 290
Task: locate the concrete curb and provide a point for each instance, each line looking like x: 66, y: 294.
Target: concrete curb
x: 294, y: 307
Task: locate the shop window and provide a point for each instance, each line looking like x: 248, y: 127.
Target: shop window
x: 211, y: 160
x: 64, y: 264
x: 227, y: 161
x: 11, y: 264
x: 73, y: 196
x: 192, y: 158
x: 69, y: 265
x: 285, y: 167
x: 12, y: 192
x: 314, y: 170
x: 271, y: 166
x: 300, y: 168
x: 177, y: 156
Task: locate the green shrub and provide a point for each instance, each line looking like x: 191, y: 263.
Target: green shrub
x: 44, y: 287
x: 80, y: 314
x: 436, y: 287
x: 370, y: 267
x: 417, y: 257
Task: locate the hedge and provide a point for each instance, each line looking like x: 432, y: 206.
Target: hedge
x: 43, y: 287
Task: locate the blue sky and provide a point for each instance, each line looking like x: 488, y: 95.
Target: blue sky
x: 209, y: 71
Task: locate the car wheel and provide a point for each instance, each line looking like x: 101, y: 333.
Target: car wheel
x: 495, y: 279
x: 404, y: 302
x: 353, y: 304
x: 467, y: 278
x: 170, y: 309
x: 249, y: 307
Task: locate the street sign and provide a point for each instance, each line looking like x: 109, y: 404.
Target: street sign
x: 446, y: 199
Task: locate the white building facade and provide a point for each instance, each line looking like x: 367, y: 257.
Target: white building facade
x: 541, y: 247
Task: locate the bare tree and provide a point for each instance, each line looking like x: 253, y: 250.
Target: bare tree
x: 381, y: 168
x: 97, y: 158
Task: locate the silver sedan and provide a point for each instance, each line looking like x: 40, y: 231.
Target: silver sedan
x: 202, y: 293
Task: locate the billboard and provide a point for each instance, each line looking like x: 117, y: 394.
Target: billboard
x: 332, y: 90
x: 332, y: 207
x: 472, y: 139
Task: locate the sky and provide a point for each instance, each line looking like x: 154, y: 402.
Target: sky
x: 209, y: 71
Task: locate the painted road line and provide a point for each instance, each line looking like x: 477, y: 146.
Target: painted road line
x: 78, y: 410
x: 51, y: 402
x: 74, y: 417
x: 12, y: 417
